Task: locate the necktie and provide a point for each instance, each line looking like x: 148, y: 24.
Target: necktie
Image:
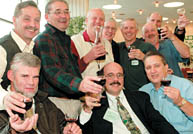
x: 126, y: 118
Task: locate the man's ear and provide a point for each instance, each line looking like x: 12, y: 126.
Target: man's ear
x: 10, y: 75
x: 46, y: 16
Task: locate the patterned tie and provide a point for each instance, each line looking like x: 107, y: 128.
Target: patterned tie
x: 126, y: 118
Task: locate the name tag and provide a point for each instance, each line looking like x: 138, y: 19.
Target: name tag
x: 134, y: 62
x: 111, y: 115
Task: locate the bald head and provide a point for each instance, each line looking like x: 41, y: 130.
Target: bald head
x: 110, y: 67
x: 113, y: 73
x: 150, y: 33
x: 95, y: 18
x: 156, y: 18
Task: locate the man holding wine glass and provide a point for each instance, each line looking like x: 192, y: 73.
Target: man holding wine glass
x: 177, y: 104
x: 91, y: 46
x: 121, y: 111
x: 42, y: 115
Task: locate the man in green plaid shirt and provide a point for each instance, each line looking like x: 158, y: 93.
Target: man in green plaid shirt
x: 60, y: 75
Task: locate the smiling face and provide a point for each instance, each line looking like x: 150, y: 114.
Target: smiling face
x: 95, y: 18
x: 156, y: 19
x: 150, y: 33
x: 24, y: 80
x: 113, y: 73
x: 129, y: 30
x: 58, y: 15
x: 155, y: 69
x: 109, y: 30
x: 27, y: 23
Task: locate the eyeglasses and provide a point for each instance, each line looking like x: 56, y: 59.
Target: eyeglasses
x: 60, y: 12
x: 110, y: 28
x: 112, y: 75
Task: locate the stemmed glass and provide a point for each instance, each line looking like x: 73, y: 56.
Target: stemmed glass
x: 166, y: 81
x: 70, y: 118
x: 181, y: 11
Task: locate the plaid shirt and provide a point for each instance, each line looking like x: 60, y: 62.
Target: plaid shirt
x: 59, y: 74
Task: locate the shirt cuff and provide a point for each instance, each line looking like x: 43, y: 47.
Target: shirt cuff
x: 84, y: 117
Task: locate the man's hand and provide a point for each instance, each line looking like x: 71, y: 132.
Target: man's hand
x: 91, y: 102
x: 72, y: 128
x: 166, y: 33
x: 97, y: 51
x: 182, y: 22
x: 136, y: 53
x: 173, y: 94
x: 23, y: 125
x: 14, y: 101
x: 87, y: 85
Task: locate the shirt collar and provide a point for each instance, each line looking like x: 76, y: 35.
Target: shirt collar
x: 20, y: 42
x: 113, y: 98
x: 86, y: 37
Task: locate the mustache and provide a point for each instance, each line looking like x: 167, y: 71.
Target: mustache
x: 151, y: 36
x: 32, y: 28
x: 115, y: 82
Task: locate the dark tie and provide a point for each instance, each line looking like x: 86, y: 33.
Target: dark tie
x: 126, y: 118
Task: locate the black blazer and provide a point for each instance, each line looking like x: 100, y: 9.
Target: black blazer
x: 140, y: 103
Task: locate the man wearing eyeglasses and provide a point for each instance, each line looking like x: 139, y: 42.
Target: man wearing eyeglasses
x: 105, y: 115
x: 60, y: 75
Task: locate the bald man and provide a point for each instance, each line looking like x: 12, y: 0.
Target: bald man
x: 101, y: 115
x: 87, y: 47
x: 180, y: 31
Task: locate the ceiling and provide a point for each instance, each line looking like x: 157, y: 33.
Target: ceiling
x: 130, y: 7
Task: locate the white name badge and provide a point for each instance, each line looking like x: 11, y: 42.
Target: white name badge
x: 111, y: 115
x: 134, y: 62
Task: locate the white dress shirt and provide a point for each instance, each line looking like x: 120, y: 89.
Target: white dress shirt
x: 3, y: 58
x: 118, y: 126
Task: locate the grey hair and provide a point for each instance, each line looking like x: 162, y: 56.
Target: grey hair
x: 111, y: 20
x: 24, y: 4
x: 48, y: 5
x: 128, y: 19
x: 26, y: 59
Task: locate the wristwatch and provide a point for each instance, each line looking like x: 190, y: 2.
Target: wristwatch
x: 183, y: 102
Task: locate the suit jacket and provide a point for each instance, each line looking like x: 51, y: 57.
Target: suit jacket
x: 50, y: 119
x: 141, y: 105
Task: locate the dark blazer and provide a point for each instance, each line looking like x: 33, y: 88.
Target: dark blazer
x: 141, y: 105
x: 50, y: 119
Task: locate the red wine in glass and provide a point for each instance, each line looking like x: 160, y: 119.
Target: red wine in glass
x: 101, y: 82
x: 165, y: 82
x: 28, y: 105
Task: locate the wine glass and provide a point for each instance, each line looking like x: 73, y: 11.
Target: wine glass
x: 28, y: 105
x: 166, y: 81
x: 70, y: 118
x: 181, y: 11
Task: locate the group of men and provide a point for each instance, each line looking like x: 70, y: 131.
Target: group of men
x: 68, y: 69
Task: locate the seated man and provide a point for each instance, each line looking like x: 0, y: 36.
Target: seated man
x: 173, y: 49
x: 45, y: 117
x: 174, y: 102
x: 121, y: 111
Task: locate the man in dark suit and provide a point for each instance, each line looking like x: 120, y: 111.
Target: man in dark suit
x: 104, y: 117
